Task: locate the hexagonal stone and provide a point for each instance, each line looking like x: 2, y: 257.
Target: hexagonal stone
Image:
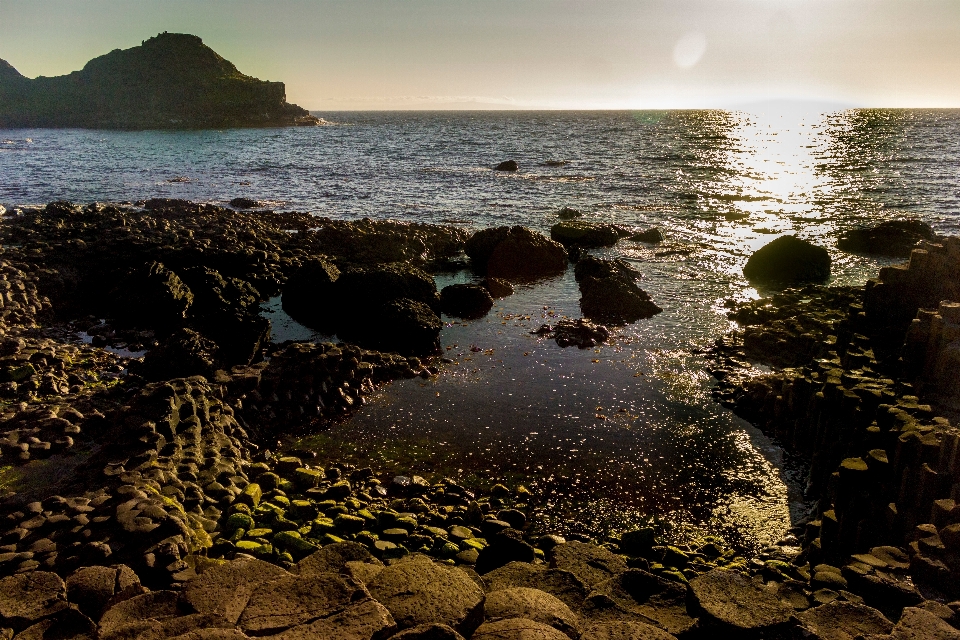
x: 532, y: 604
x: 517, y: 629
x: 92, y: 589
x: 28, y: 597
x: 843, y: 621
x: 418, y: 591
x: 623, y: 630
x: 559, y: 583
x: 361, y: 621
x: 732, y: 599
x: 66, y: 623
x: 333, y: 558
x: 590, y: 563
x: 224, y: 590
x: 138, y: 612
x: 918, y: 624
x: 295, y: 600
x: 638, y: 596
x: 428, y: 632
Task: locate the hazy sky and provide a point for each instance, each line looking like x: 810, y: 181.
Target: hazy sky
x: 391, y: 54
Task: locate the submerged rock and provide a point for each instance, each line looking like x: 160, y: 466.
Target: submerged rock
x: 246, y: 203
x: 788, y: 259
x: 587, y: 234
x: 609, y: 294
x: 465, y: 300
x: 507, y: 165
x: 650, y: 236
x: 567, y: 213
x: 515, y: 253
x: 579, y: 332
x: 895, y: 238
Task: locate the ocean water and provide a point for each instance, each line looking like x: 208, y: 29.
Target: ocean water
x: 607, y: 436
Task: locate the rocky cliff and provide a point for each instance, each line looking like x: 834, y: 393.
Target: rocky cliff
x: 172, y: 81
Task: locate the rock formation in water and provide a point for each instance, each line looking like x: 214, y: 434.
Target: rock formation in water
x: 171, y: 81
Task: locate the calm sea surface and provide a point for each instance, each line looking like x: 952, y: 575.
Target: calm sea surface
x: 611, y: 435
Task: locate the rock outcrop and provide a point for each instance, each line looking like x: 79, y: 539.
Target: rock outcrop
x: 895, y: 238
x: 587, y: 234
x: 515, y: 253
x: 171, y: 81
x: 609, y: 292
x: 788, y: 260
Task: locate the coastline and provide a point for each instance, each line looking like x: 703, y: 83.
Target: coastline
x: 170, y: 459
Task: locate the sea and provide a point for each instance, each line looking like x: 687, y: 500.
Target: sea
x: 607, y: 438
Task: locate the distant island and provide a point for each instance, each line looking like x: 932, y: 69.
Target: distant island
x: 171, y: 81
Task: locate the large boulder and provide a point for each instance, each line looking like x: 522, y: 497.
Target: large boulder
x: 309, y: 295
x: 224, y: 590
x: 734, y: 602
x: 418, y: 591
x: 28, y: 597
x: 590, y: 563
x: 516, y: 253
x: 517, y: 629
x: 788, y: 259
x: 559, y: 583
x: 152, y: 296
x: 609, y: 294
x: 184, y: 353
x: 643, y: 597
x: 625, y: 630
x: 896, y: 238
x: 843, y: 621
x: 408, y: 327
x: 95, y: 588
x: 579, y: 233
x: 368, y: 287
x: 465, y: 301
x: 289, y: 601
x: 533, y: 604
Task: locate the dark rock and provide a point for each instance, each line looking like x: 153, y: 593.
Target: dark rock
x: 369, y: 287
x: 67, y: 623
x: 586, y: 234
x: 183, y: 353
x: 637, y: 542
x: 137, y: 611
x: 310, y: 295
x: 650, y: 236
x: 566, y: 213
x: 245, y: 203
x: 843, y: 621
x: 609, y: 293
x: 93, y: 589
x: 644, y: 597
x: 171, y: 81
x: 582, y: 333
x: 363, y: 620
x: 418, y: 591
x: 405, y: 326
x: 614, y: 299
x: 515, y: 253
x: 465, y: 301
x: 498, y: 288
x: 504, y: 547
x: 788, y: 259
x: 732, y: 600
x: 517, y: 629
x: 428, y: 632
x: 507, y: 165
x: 625, y: 630
x: 290, y: 601
x: 589, y: 563
x: 918, y: 624
x: 152, y: 296
x: 26, y: 598
x: 896, y: 238
x: 532, y: 604
x: 333, y: 558
x: 225, y: 590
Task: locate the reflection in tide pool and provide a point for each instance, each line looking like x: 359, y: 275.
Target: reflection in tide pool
x: 610, y: 435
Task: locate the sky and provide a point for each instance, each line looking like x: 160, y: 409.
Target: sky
x: 530, y: 54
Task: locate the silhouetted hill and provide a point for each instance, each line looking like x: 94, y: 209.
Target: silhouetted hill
x: 172, y: 81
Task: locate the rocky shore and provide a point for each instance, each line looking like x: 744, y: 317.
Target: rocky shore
x: 141, y: 402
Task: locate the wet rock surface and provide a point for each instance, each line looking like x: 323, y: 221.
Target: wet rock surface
x: 788, y: 259
x: 171, y: 517
x: 609, y: 292
x: 515, y: 253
